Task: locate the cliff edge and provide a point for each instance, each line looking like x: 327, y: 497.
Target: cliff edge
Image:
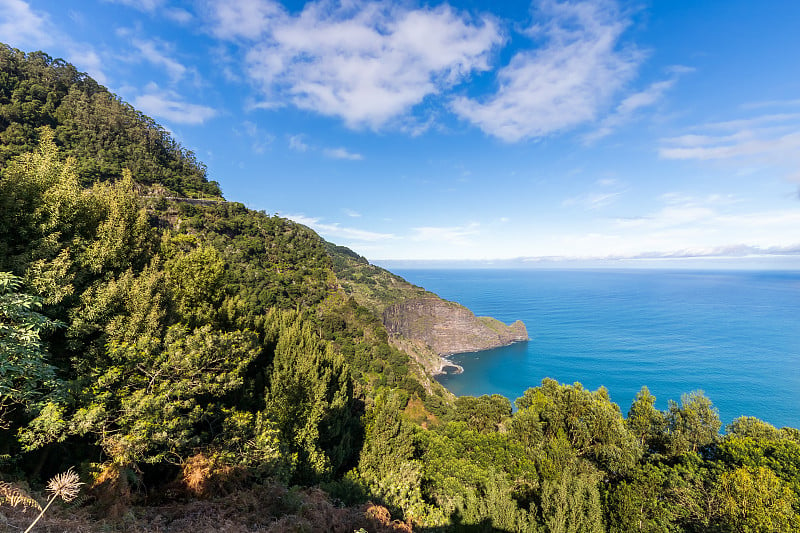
x: 449, y: 328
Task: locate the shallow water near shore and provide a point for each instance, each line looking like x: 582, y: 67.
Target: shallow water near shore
x: 733, y: 334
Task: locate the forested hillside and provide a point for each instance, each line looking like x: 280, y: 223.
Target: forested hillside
x: 104, y: 134
x: 203, y: 366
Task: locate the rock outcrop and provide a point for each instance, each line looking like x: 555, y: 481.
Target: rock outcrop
x: 449, y: 328
x: 419, y: 323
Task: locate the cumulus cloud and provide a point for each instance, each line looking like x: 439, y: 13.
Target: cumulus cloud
x: 22, y: 27
x: 243, y: 19
x: 364, y: 62
x: 169, y: 106
x: 563, y: 83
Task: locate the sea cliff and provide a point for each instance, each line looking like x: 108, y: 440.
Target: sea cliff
x: 419, y: 322
x: 447, y: 328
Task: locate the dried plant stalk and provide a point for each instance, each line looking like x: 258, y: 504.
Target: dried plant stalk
x: 65, y: 486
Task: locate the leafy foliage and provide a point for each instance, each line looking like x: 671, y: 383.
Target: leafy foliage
x: 25, y: 374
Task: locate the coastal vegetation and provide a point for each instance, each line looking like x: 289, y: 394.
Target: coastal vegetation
x: 203, y: 365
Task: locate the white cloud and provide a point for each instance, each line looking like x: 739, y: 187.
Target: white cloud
x: 772, y: 140
x: 564, y: 83
x: 628, y: 108
x: 156, y: 53
x: 681, y: 210
x: 22, y: 27
x: 336, y: 230
x: 296, y: 143
x: 246, y: 19
x: 158, y: 8
x: 351, y: 213
x: 169, y: 105
x: 26, y: 29
x: 367, y: 63
x: 771, y: 103
x: 342, y: 153
x: 446, y: 235
x: 87, y: 59
x: 142, y: 5
x: 181, y: 16
x: 610, y: 190
x: 645, y: 98
x: 593, y: 200
x: 260, y: 140
x: 686, y: 226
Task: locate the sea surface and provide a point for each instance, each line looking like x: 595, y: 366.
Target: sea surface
x: 733, y: 334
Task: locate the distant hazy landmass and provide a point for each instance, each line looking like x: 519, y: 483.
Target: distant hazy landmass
x: 764, y: 261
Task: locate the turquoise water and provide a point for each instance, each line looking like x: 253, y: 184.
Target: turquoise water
x: 734, y: 335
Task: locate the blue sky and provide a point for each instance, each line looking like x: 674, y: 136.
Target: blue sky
x: 471, y: 129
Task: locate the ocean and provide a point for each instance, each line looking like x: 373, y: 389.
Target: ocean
x: 732, y: 334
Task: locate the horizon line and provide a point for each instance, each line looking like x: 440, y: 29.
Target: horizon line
x: 750, y: 262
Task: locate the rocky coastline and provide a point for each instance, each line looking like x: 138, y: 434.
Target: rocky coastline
x: 432, y: 330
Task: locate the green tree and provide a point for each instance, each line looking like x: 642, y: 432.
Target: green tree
x: 569, y: 498
x: 387, y: 464
x: 748, y: 426
x: 693, y: 424
x: 311, y: 400
x: 646, y: 422
x: 590, y: 422
x: 160, y: 399
x: 755, y: 500
x: 484, y: 413
x: 26, y: 377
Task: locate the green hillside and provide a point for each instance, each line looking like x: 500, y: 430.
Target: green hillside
x: 104, y: 134
x: 203, y: 366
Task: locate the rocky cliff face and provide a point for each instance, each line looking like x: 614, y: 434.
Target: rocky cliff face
x: 449, y: 328
x: 419, y: 323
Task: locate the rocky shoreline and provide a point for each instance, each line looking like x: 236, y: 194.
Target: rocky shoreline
x: 446, y: 362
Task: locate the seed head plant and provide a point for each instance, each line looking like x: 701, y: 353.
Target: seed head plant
x: 66, y: 486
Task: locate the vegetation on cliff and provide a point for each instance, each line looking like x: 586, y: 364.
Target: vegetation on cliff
x: 203, y: 358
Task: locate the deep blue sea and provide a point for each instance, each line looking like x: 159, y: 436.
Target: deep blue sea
x: 733, y: 334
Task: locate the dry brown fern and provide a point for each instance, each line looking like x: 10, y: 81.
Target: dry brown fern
x: 13, y: 496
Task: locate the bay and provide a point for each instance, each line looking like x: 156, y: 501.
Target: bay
x: 732, y: 334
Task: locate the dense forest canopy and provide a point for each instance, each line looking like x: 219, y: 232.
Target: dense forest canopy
x: 169, y: 349
x: 104, y: 134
